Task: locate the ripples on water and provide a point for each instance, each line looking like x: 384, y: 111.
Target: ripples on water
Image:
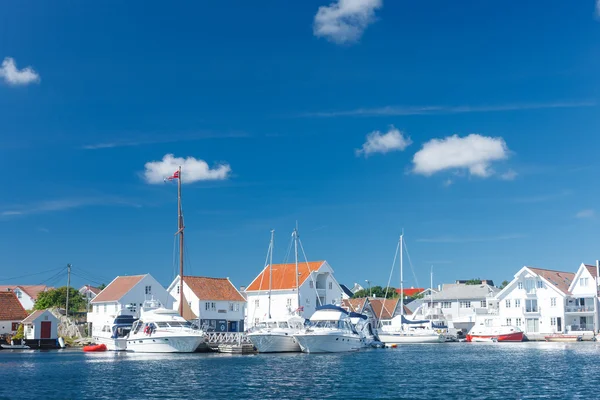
x: 437, y: 371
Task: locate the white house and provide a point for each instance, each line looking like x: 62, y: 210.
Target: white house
x: 535, y: 300
x: 459, y: 304
x: 125, y: 295
x: 316, y: 286
x: 41, y: 324
x: 215, y: 302
x: 27, y: 294
x: 581, y: 310
x: 11, y: 313
x: 89, y: 292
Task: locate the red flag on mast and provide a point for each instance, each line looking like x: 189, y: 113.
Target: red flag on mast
x: 174, y: 176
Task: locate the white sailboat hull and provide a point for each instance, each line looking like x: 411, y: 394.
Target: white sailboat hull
x: 333, y: 342
x: 402, y: 338
x: 274, y: 343
x: 119, y: 344
x: 164, y: 344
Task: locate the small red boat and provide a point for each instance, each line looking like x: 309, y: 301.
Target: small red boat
x: 95, y: 347
x: 483, y: 333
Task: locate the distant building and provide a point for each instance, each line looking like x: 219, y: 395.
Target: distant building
x: 215, y: 302
x: 483, y: 281
x: 41, y: 324
x: 317, y: 286
x: 459, y: 304
x: 12, y: 313
x: 375, y: 309
x: 89, y: 292
x: 27, y: 294
x: 125, y: 295
x: 410, y: 292
x: 356, y: 288
x: 581, y: 310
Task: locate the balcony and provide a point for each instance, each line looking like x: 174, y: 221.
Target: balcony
x: 529, y: 310
x: 579, y: 309
x: 581, y: 327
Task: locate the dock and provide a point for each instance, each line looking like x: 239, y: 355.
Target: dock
x: 229, y: 342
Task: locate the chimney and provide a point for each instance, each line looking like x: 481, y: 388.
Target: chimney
x: 242, y: 288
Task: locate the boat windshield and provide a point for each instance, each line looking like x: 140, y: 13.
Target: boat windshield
x: 283, y: 324
x: 175, y: 324
x: 272, y: 325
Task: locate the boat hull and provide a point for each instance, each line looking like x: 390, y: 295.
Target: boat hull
x: 327, y: 343
x: 158, y: 344
x: 507, y: 337
x: 274, y: 343
x: 119, y: 344
x: 391, y: 338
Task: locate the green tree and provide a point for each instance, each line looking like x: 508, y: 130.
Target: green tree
x: 504, y: 284
x: 101, y: 287
x: 473, y: 282
x: 19, y: 334
x: 377, y: 291
x: 58, y: 298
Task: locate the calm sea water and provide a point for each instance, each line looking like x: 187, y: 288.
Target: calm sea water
x: 438, y: 371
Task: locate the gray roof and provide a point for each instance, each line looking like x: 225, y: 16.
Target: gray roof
x: 346, y: 290
x: 460, y: 291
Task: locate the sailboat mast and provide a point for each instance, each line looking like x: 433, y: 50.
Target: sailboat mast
x: 270, y: 270
x: 431, y: 288
x: 180, y: 231
x: 296, y: 257
x: 401, y: 276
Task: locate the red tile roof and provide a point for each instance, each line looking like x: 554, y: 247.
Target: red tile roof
x: 31, y: 290
x: 389, y: 307
x: 354, y: 305
x: 561, y: 280
x: 11, y: 308
x: 92, y: 289
x: 218, y: 289
x: 284, y: 276
x: 118, y: 288
x: 411, y: 291
x: 592, y: 270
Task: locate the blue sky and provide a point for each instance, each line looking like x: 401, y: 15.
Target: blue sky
x: 282, y: 97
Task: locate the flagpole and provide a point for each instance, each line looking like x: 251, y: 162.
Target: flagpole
x: 180, y: 226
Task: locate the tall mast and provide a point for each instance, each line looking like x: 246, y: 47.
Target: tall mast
x: 431, y: 288
x: 271, y: 269
x: 68, y: 286
x: 296, y: 257
x: 180, y: 231
x: 401, y: 277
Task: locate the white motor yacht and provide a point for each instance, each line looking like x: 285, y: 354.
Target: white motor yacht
x: 160, y: 330
x: 330, y: 331
x: 402, y: 330
x: 113, y: 333
x: 276, y: 336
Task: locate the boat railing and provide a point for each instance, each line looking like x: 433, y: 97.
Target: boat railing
x: 581, y: 327
x: 532, y: 309
x: 226, y: 337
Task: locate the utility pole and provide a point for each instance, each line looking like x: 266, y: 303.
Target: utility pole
x: 68, y: 285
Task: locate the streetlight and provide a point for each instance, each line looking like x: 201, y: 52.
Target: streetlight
x: 369, y: 283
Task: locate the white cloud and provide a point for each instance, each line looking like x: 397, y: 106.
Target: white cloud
x: 345, y: 21
x: 377, y: 142
x: 509, y: 175
x: 474, y: 153
x: 14, y: 76
x: 472, y: 239
x: 192, y: 170
x: 589, y: 213
x: 448, y: 182
x: 65, y: 204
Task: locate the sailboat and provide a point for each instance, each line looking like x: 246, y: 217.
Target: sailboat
x: 276, y: 335
x: 161, y: 330
x: 402, y: 330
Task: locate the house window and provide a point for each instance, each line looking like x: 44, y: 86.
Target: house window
x: 330, y: 285
x: 508, y: 304
x: 230, y: 306
x: 310, y: 284
x: 289, y: 303
x: 517, y: 303
x: 257, y: 303
x: 207, y: 306
x: 508, y: 321
x: 465, y: 304
x: 18, y: 293
x: 256, y: 321
x: 105, y: 307
x: 15, y: 326
x: 553, y: 302
x: 149, y: 290
x: 518, y: 321
x: 177, y: 289
x: 483, y: 304
x: 446, y: 304
x: 540, y: 284
x: 213, y: 306
x: 236, y: 307
x: 553, y: 321
x: 583, y: 281
x: 531, y: 306
x: 520, y: 285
